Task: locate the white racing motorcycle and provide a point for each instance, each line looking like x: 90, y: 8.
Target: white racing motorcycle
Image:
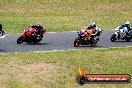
x: 121, y: 34
x: 2, y: 34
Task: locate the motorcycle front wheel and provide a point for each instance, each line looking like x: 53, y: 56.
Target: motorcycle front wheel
x: 77, y: 42
x: 1, y: 33
x: 113, y: 38
x: 19, y: 40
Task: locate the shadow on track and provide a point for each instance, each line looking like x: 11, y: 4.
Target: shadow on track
x: 90, y: 46
x: 35, y: 44
x: 122, y: 41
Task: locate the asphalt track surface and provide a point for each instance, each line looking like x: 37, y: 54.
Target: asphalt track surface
x: 57, y: 41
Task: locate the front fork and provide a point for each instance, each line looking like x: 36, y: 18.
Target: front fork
x: 117, y: 35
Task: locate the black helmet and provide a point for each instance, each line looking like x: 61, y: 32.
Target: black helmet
x: 0, y: 26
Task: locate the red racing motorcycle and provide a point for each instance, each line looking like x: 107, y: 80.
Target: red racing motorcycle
x: 32, y: 35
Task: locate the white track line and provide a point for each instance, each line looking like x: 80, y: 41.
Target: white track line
x: 4, y: 53
x: 72, y: 31
x: 56, y: 50
x: 64, y: 50
x: 47, y: 32
x: 79, y: 49
x: 51, y: 32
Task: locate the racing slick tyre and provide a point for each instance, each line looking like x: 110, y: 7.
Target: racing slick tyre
x: 1, y: 33
x: 94, y: 41
x: 127, y: 39
x: 19, y: 40
x: 40, y: 38
x: 113, y: 38
x: 35, y: 42
x: 77, y: 42
x: 93, y: 44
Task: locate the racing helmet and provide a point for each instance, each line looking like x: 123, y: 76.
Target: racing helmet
x: 92, y: 24
x: 127, y: 23
x: 0, y: 26
x: 38, y: 24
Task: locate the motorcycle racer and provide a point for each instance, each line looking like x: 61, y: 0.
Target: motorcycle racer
x: 1, y: 29
x: 32, y: 34
x: 126, y: 27
x: 39, y: 27
x: 123, y: 32
x: 2, y: 33
x: 92, y: 30
x: 88, y: 35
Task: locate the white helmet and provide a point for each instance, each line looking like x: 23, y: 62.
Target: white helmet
x: 127, y: 22
x: 92, y: 24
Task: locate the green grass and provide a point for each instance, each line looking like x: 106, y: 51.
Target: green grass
x: 13, y: 83
x: 62, y: 66
x: 63, y: 15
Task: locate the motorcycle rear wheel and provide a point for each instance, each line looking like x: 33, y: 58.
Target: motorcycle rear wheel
x: 127, y: 39
x: 40, y: 39
x: 93, y: 44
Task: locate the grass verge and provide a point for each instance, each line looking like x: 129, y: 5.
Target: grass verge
x: 63, y: 15
x: 58, y: 69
